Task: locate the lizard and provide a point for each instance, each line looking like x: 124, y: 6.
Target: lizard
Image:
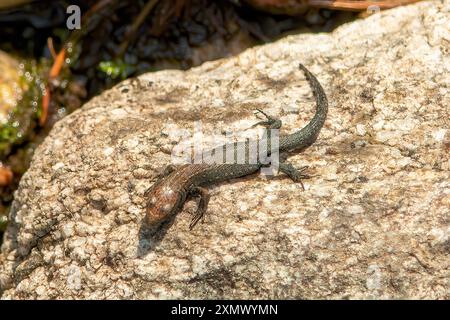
x: 168, y: 194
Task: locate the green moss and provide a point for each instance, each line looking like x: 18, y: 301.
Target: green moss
x: 115, y: 69
x: 3, y: 222
x: 23, y: 118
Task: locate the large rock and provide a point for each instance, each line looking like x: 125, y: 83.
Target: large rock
x: 372, y: 222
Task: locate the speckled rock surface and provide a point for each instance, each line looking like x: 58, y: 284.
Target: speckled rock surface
x: 372, y: 223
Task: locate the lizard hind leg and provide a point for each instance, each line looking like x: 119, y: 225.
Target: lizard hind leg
x: 202, y: 206
x: 295, y: 174
x: 270, y: 122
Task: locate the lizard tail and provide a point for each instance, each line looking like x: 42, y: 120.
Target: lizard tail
x: 308, y: 134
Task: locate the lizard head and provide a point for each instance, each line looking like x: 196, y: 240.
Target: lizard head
x: 164, y: 201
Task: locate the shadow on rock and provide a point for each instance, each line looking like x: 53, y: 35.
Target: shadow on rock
x: 150, y: 236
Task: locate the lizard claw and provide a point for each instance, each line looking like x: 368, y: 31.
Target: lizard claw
x: 271, y: 122
x: 202, y: 206
x: 263, y: 113
x: 297, y: 175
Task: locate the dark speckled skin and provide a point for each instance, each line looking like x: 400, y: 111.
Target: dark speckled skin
x: 167, y: 196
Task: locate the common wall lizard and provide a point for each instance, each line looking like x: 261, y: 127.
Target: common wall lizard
x: 167, y: 196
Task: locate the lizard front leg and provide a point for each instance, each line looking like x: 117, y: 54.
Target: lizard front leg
x: 202, y: 206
